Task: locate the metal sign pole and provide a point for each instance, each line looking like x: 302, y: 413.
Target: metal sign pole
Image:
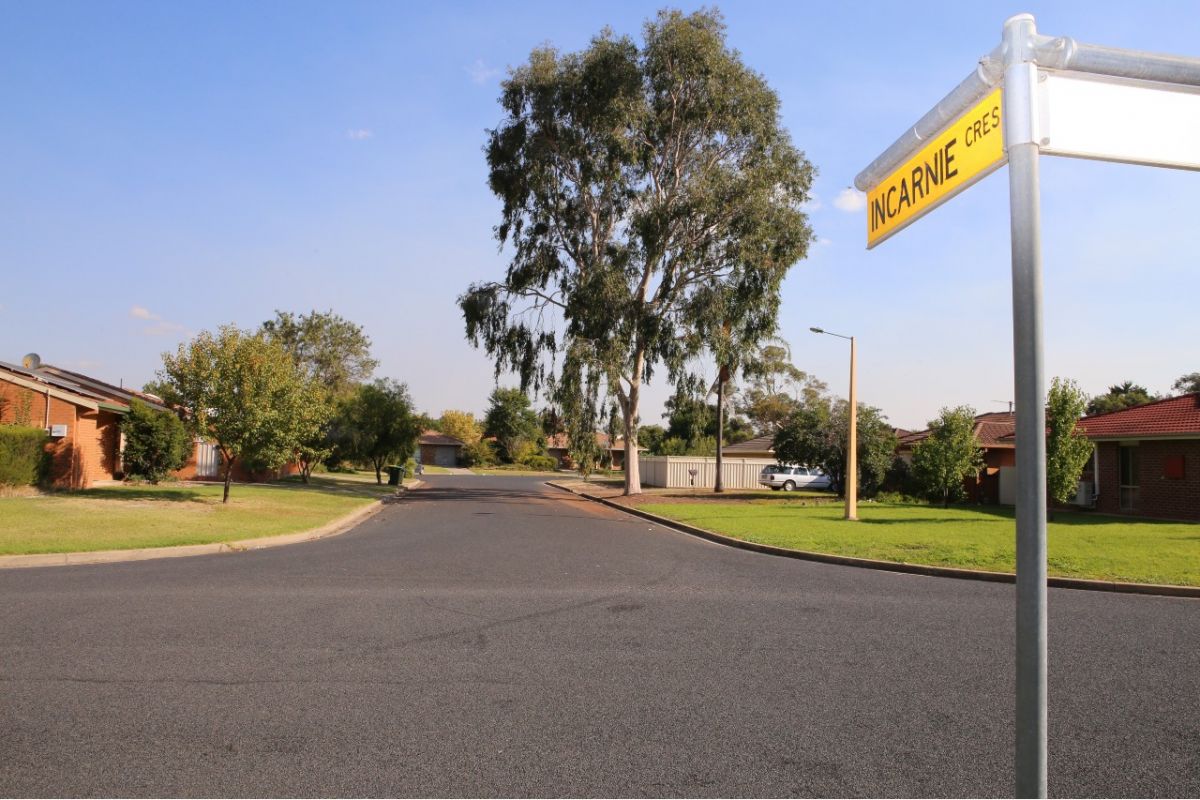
x: 1021, y: 135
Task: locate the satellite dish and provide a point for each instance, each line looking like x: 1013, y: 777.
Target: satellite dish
x: 31, y: 361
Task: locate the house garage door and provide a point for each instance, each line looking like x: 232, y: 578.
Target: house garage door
x: 444, y: 456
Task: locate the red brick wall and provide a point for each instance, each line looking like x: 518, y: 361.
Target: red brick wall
x: 89, y: 451
x: 1163, y: 498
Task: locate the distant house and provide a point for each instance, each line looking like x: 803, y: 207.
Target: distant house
x: 439, y: 450
x: 1147, y: 459
x: 82, y: 415
x: 758, y: 447
x: 996, y: 482
x: 558, y: 447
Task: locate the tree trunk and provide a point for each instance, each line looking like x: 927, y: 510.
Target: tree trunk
x: 722, y: 376
x: 228, y: 478
x: 305, y: 469
x: 629, y: 408
x: 378, y: 471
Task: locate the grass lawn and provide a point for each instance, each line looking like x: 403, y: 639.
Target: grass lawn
x: 129, y: 517
x: 1079, y: 545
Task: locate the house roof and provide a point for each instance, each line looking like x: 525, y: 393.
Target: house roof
x: 559, y: 441
x: 1174, y: 416
x: 759, y: 444
x: 994, y: 429
x: 81, y: 390
x: 439, y: 438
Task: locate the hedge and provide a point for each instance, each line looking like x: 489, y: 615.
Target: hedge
x: 23, y: 458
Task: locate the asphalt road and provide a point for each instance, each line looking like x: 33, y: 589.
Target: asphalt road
x: 491, y: 636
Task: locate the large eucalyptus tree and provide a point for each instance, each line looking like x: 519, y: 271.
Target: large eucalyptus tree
x: 635, y: 181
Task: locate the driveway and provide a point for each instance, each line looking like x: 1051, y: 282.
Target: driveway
x: 492, y: 636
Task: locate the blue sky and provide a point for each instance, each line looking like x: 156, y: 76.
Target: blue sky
x: 171, y: 167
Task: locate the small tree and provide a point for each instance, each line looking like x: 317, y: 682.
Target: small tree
x: 156, y: 442
x: 378, y: 424
x: 1067, y: 448
x: 948, y: 455
x: 243, y: 392
x: 512, y: 420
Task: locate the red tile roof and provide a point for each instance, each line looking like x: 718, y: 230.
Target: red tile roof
x: 994, y: 429
x: 559, y: 441
x: 759, y: 444
x: 1163, y: 418
x: 437, y: 438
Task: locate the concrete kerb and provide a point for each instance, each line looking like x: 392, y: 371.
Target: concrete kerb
x: 337, y: 526
x: 1165, y: 590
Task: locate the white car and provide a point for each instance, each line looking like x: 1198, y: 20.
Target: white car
x: 791, y: 478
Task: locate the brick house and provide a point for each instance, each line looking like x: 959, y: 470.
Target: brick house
x: 438, y: 449
x: 557, y: 447
x: 1147, y: 459
x: 996, y: 482
x: 83, y: 417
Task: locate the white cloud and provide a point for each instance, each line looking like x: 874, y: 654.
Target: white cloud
x: 481, y: 73
x: 823, y: 242
x: 161, y: 327
x: 812, y: 204
x: 850, y: 200
x: 359, y: 134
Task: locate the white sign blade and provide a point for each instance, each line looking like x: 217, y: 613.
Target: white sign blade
x: 1114, y: 119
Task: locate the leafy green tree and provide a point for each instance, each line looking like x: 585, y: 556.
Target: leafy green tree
x: 1067, y: 447
x: 818, y: 435
x: 512, y: 420
x: 327, y: 347
x: 244, y: 393
x: 578, y: 398
x: 1120, y: 397
x: 335, y: 356
x: 651, y: 437
x: 774, y: 387
x: 156, y: 442
x: 379, y: 425
x: 948, y: 455
x: 631, y: 178
x: 1187, y: 384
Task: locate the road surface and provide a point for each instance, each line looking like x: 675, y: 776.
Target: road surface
x: 492, y: 636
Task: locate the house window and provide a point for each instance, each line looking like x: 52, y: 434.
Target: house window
x: 1130, y: 469
x: 1173, y: 468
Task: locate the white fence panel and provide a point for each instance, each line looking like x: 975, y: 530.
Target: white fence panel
x: 673, y: 472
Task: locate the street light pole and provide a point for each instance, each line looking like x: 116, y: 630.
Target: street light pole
x: 852, y: 444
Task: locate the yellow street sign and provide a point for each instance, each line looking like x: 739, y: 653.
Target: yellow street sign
x: 970, y: 148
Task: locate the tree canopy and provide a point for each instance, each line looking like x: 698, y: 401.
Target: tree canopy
x: 326, y: 347
x: 817, y: 434
x: 639, y: 185
x: 462, y: 425
x: 1187, y: 384
x: 774, y: 388
x: 155, y: 442
x: 243, y: 392
x: 1120, y: 397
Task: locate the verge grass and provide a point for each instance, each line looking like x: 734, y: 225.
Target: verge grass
x: 1079, y: 545
x: 128, y: 517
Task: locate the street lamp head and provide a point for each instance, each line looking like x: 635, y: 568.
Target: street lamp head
x: 817, y: 330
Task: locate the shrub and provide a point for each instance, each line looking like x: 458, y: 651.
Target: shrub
x: 23, y: 458
x: 479, y: 454
x: 156, y: 443
x: 541, y: 462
